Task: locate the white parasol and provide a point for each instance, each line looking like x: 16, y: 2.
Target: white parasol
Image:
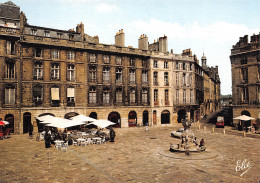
x: 102, y: 123
x: 244, y: 118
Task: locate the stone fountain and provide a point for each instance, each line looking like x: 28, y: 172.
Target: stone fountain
x: 188, y: 142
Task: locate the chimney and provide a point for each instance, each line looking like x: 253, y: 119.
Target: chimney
x: 120, y: 38
x: 143, y: 42
x: 80, y: 30
x: 163, y: 44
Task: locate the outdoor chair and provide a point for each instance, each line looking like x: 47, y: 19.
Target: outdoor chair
x: 83, y: 143
x: 99, y: 141
x: 65, y: 146
x: 103, y: 140
x: 75, y: 143
x: 58, y: 146
x: 89, y: 141
x: 1, y: 135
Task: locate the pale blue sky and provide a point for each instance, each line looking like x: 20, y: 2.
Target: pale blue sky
x: 209, y: 26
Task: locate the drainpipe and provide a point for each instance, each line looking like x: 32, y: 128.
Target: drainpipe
x: 20, y: 88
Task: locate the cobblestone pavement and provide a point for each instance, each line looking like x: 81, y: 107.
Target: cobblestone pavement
x: 133, y: 157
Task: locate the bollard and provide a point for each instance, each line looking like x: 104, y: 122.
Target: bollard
x: 224, y: 131
x: 205, y: 128
x: 199, y: 126
x: 244, y: 134
x: 213, y: 129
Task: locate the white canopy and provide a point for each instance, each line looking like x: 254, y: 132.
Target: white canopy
x: 102, y: 123
x: 60, y: 122
x: 82, y: 118
x: 45, y: 118
x: 244, y: 118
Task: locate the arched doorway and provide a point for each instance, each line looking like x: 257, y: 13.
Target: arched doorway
x: 70, y: 114
x: 93, y: 115
x: 243, y: 125
x: 154, y: 117
x: 115, y: 117
x: 145, y: 118
x: 10, y: 119
x: 165, y: 117
x: 40, y: 125
x: 26, y: 122
x: 181, y: 115
x: 132, y: 119
x: 192, y: 115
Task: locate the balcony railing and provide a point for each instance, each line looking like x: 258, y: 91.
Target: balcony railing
x: 167, y: 102
x: 156, y: 103
x: 9, y: 31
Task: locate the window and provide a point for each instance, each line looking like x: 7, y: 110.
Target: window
x: 55, y: 54
x: 177, y: 97
x: 166, y: 65
x: 144, y: 63
x: 106, y: 74
x: 10, y: 70
x: 106, y: 59
x: 144, y: 95
x: 59, y: 35
x: 184, y: 66
x: 243, y: 61
x: 55, y: 71
x: 132, y: 62
x: 10, y: 47
x: 166, y: 97
x: 184, y: 80
x: 38, y: 52
x: 119, y: 95
x: 92, y: 95
x: 155, y: 64
x: 71, y: 36
x: 37, y: 95
x: 258, y: 72
x: 177, y: 79
x: 119, y: 76
x: 144, y: 77
x: 187, y: 67
x: 177, y: 66
x: 71, y: 97
x: 190, y: 80
x: 155, y: 78
x: 191, y: 67
x: 184, y: 96
x: 191, y: 96
x: 71, y: 73
x: 245, y: 94
x: 92, y: 58
x: 10, y: 95
x: 71, y: 55
x: 47, y: 33
x: 155, y: 97
x: 92, y: 74
x: 244, y: 74
x: 132, y: 76
x: 166, y: 79
x: 55, y: 97
x: 106, y: 96
x: 38, y: 71
x: 132, y: 95
x: 34, y: 32
x: 118, y: 60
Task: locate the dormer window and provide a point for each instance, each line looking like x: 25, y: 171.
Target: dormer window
x: 34, y: 32
x: 59, y: 35
x: 47, y: 33
x: 71, y: 36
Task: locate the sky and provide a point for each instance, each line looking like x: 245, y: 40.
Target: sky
x: 205, y: 26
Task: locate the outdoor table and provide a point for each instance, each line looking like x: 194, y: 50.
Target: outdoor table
x: 95, y: 139
x: 79, y: 140
x: 58, y: 143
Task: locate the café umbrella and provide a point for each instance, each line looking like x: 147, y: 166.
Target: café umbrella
x: 244, y: 118
x: 82, y: 118
x: 102, y: 123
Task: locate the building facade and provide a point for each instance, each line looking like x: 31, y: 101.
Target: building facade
x: 245, y: 67
x: 65, y: 73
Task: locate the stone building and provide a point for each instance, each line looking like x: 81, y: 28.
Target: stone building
x: 65, y: 73
x: 245, y: 67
